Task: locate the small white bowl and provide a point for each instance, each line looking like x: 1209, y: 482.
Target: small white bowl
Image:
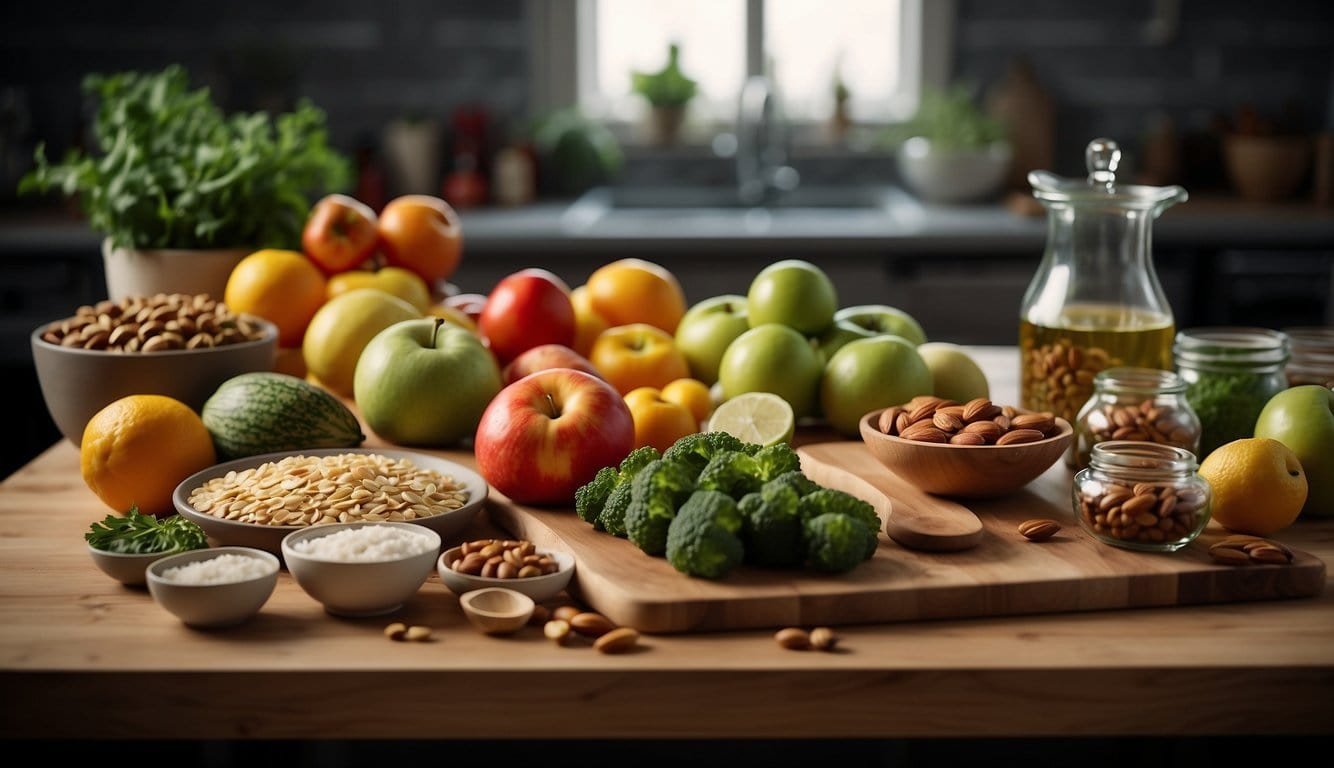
x: 360, y: 589
x: 535, y: 587
x: 212, y: 605
x: 496, y: 610
x: 126, y: 567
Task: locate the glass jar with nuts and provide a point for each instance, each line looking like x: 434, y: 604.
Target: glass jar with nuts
x: 1143, y: 404
x: 1141, y: 495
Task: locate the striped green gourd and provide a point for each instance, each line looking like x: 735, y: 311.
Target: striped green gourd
x: 265, y: 412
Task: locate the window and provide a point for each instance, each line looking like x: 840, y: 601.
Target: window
x: 877, y: 49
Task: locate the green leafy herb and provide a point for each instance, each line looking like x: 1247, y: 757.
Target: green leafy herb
x: 144, y: 534
x: 669, y: 86
x: 949, y: 118
x: 175, y: 172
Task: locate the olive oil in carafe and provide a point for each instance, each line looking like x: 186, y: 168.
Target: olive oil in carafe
x: 1058, y: 362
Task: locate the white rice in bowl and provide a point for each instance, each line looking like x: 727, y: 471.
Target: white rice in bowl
x: 223, y: 569
x: 371, y: 544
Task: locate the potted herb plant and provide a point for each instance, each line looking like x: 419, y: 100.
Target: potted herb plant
x: 668, y: 92
x: 951, y: 151
x: 182, y: 191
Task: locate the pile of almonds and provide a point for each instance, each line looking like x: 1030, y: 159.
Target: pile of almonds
x: 153, y: 324
x: 1145, y: 421
x: 1242, y: 549
x: 502, y: 559
x: 1060, y: 375
x: 567, y: 621
x: 931, y: 419
x: 1142, y: 512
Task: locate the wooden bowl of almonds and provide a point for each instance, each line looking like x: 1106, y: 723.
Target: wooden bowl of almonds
x: 179, y: 345
x: 976, y: 449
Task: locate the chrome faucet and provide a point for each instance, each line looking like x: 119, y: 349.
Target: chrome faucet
x: 763, y: 174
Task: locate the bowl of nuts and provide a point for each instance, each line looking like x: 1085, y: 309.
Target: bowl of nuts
x: 971, y: 450
x: 512, y: 564
x: 256, y: 501
x: 179, y: 345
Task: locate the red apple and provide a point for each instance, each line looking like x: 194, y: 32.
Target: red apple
x: 527, y: 309
x: 547, y: 356
x: 548, y: 433
x: 340, y: 234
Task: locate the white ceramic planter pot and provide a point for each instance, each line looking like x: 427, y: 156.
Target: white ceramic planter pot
x: 134, y: 272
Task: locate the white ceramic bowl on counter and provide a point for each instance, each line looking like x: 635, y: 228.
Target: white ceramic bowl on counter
x: 213, y: 605
x: 360, y: 588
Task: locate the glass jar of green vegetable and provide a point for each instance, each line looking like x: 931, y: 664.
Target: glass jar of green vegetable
x: 1230, y: 374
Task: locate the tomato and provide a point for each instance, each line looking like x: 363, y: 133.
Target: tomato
x: 422, y: 233
x: 527, y: 309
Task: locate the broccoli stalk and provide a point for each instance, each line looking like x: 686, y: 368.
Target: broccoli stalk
x: 656, y: 493
x: 702, y: 539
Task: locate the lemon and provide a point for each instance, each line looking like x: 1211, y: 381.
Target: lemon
x: 755, y: 417
x: 1258, y: 485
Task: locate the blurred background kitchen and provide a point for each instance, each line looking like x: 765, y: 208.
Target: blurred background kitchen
x: 527, y: 117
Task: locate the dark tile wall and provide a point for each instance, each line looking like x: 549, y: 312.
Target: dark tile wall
x: 1115, y: 71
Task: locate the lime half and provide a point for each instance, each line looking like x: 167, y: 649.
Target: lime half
x: 755, y: 417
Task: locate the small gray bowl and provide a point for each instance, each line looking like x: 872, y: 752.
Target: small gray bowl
x: 357, y: 589
x: 537, y: 587
x: 212, y: 605
x: 77, y: 383
x: 126, y: 567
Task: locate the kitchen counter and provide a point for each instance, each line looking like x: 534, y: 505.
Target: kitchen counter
x: 81, y: 656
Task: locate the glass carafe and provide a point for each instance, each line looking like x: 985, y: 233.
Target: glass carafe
x: 1095, y: 302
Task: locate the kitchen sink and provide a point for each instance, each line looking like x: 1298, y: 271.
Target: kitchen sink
x: 713, y: 207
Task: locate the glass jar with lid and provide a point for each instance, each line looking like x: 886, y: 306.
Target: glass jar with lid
x: 1095, y: 301
x: 1142, y: 496
x: 1230, y: 374
x: 1312, y: 360
x: 1144, y: 404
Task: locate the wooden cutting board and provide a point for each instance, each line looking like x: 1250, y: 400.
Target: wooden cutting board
x: 1002, y: 574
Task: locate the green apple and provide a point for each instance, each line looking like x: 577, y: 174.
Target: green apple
x: 867, y: 374
x: 705, y: 331
x: 425, y: 382
x: 1302, y: 418
x: 795, y: 293
x: 882, y: 318
x: 954, y: 374
x: 840, y: 333
x: 773, y: 358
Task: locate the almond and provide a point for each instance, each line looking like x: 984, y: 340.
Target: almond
x: 418, y: 634
x: 557, y: 630
x: 925, y: 409
x: 1228, y: 556
x: 1042, y: 422
x: 1039, y: 529
x: 967, y: 438
x: 396, y: 631
x: 1269, y: 554
x: 946, y: 422
x: 923, y: 432
x: 618, y: 640
x: 1016, y: 436
x: 887, y: 417
x: 591, y: 624
x: 793, y: 639
x: 989, y: 430
x: 823, y: 639
x: 565, y: 612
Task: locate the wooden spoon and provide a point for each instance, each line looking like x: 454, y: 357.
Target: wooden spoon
x: 914, y: 519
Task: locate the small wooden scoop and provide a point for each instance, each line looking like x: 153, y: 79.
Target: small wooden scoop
x: 913, y: 518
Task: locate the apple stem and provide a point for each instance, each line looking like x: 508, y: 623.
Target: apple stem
x: 551, y: 404
x: 435, y: 332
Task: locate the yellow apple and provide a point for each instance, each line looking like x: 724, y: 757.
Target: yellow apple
x: 587, y: 322
x: 398, y: 281
x: 341, y: 329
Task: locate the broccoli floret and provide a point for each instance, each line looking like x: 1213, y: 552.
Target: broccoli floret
x: 656, y: 493
x: 734, y: 473
x: 831, y: 501
x: 772, y: 529
x: 695, y: 451
x: 612, y: 517
x: 637, y: 460
x: 702, y: 540
x: 795, y: 480
x: 776, y: 460
x: 592, y: 496
x: 834, y: 542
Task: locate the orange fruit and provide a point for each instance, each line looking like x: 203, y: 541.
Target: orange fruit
x: 691, y: 393
x: 137, y: 449
x: 283, y: 287
x: 587, y: 322
x: 1258, y: 485
x: 637, y: 291
x: 422, y: 233
x: 658, y: 422
x: 637, y: 355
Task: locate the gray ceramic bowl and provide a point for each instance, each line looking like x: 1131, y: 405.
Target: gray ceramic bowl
x: 126, y: 567
x: 213, y: 605
x: 537, y: 587
x: 359, y: 588
x: 270, y: 537
x: 77, y: 383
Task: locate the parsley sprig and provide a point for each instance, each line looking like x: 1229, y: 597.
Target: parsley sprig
x: 144, y: 534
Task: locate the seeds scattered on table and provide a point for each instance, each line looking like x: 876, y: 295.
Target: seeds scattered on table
x: 402, y: 632
x: 1038, y: 529
x: 798, y: 639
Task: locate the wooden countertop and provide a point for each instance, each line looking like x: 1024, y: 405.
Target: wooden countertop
x: 81, y: 656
